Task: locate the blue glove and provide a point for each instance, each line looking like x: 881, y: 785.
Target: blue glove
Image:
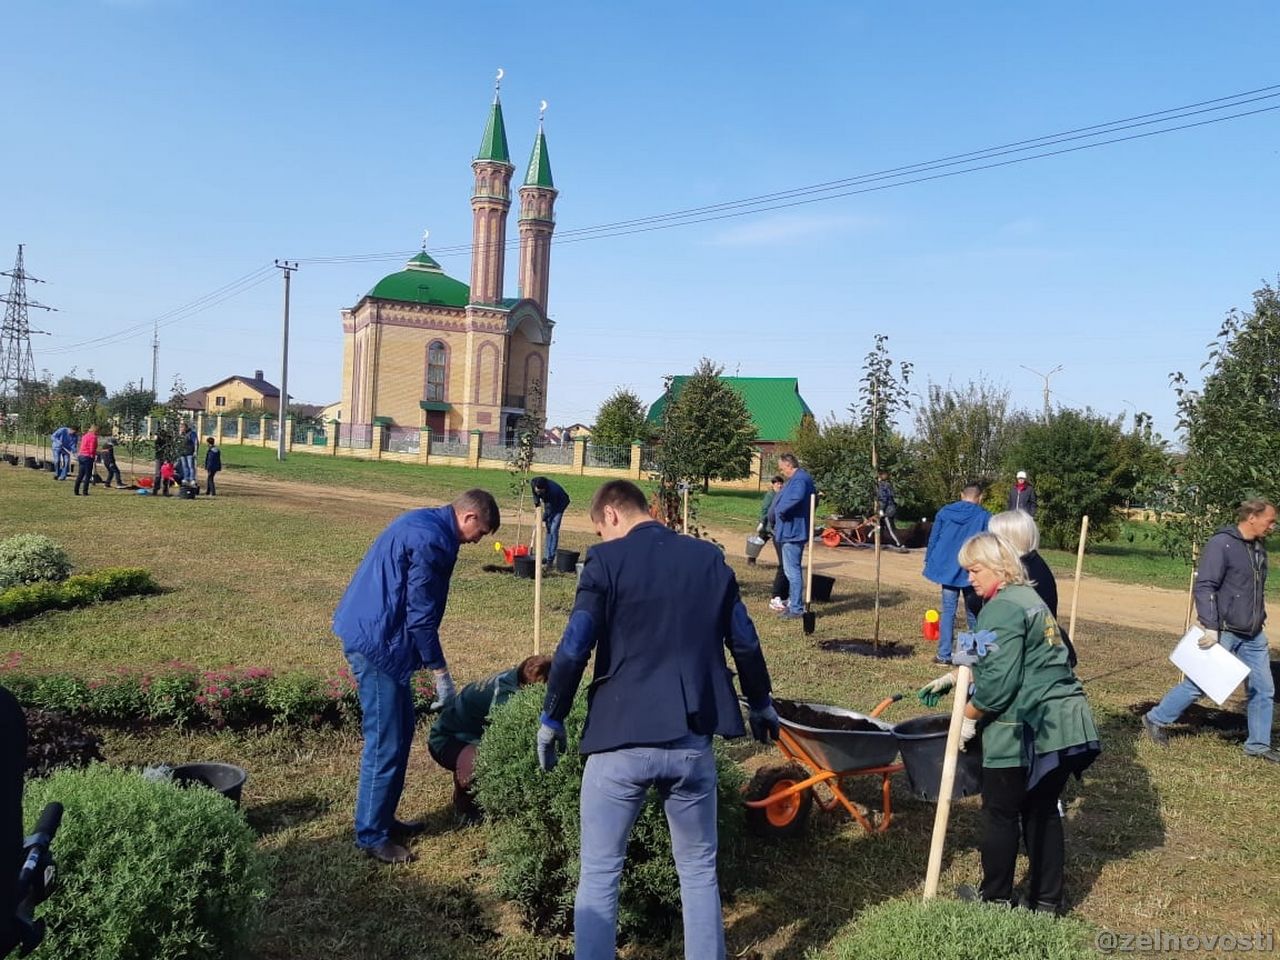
x: 764, y: 722
x: 552, y: 741
x: 971, y: 646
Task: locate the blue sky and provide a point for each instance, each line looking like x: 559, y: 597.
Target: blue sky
x: 160, y: 149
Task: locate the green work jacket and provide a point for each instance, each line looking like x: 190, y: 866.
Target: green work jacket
x: 466, y: 715
x: 1026, y: 687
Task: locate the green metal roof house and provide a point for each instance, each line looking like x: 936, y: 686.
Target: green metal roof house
x: 774, y: 402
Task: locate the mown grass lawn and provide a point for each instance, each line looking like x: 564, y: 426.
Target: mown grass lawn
x: 1178, y: 839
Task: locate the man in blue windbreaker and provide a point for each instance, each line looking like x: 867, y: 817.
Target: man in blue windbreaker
x: 554, y: 503
x: 659, y: 609
x: 389, y: 623
x: 954, y: 524
x: 791, y: 529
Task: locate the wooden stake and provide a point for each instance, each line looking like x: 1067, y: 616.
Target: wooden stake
x: 538, y: 534
x: 808, y: 578
x: 875, y: 624
x: 1191, y: 589
x: 684, y: 493
x: 943, y: 812
x: 1075, y: 594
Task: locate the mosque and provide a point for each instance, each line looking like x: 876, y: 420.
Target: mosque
x: 425, y: 349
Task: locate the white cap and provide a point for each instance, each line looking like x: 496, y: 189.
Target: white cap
x: 1022, y: 474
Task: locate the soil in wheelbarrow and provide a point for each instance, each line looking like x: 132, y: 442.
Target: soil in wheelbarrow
x: 887, y: 650
x: 808, y: 717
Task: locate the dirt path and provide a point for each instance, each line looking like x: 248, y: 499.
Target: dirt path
x: 1134, y: 605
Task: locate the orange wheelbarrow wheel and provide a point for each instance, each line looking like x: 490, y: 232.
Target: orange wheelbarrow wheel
x: 788, y: 816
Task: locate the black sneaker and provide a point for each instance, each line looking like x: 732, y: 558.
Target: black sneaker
x: 1272, y: 755
x: 967, y: 893
x: 943, y: 661
x: 390, y: 853
x: 1157, y: 734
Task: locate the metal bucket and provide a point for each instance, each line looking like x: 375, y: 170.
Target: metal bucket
x: 754, y: 546
x: 923, y: 741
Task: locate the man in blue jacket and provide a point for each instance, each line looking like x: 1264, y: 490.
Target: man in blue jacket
x: 658, y: 608
x: 954, y: 524
x: 554, y: 503
x: 1231, y: 604
x: 66, y: 444
x: 389, y: 623
x: 791, y: 529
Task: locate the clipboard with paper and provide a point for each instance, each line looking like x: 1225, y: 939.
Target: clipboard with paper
x: 1216, y: 671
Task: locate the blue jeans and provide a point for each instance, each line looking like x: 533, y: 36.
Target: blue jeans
x: 793, y: 567
x: 188, y: 467
x: 614, y: 785
x: 947, y: 625
x: 387, y: 724
x: 553, y: 535
x: 61, y: 465
x: 1253, y: 652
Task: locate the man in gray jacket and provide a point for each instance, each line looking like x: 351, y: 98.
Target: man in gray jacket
x: 1231, y: 607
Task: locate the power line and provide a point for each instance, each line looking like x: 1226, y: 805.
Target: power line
x: 940, y: 168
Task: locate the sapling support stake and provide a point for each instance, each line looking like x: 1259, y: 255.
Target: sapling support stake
x: 684, y: 495
x: 1191, y: 588
x: 1075, y: 594
x: 538, y: 534
x: 943, y: 813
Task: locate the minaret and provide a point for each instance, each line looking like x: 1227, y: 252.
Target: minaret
x: 489, y: 204
x: 537, y: 222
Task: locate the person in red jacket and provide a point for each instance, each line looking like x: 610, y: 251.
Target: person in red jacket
x: 84, y: 459
x: 167, y: 476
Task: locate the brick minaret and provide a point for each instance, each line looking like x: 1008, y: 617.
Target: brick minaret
x: 537, y: 223
x: 489, y: 204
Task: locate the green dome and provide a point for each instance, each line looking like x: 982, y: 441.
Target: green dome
x: 422, y: 281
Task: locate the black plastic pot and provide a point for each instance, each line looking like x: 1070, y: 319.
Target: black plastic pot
x: 525, y: 567
x: 922, y: 741
x: 227, y: 779
x: 32, y: 463
x: 566, y: 561
x: 50, y: 466
x: 822, y: 587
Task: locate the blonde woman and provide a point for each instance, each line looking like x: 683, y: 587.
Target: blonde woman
x: 1019, y: 528
x: 1037, y: 729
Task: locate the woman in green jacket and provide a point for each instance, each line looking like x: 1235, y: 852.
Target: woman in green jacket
x: 1037, y: 729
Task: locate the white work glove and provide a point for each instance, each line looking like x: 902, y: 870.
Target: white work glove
x: 968, y: 730
x: 759, y: 529
x: 552, y: 741
x: 932, y: 692
x: 445, y: 690
x: 1208, y: 640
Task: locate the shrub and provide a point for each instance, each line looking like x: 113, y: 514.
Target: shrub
x: 533, y: 826
x: 55, y: 740
x: 950, y: 930
x: 20, y: 602
x: 32, y: 558
x: 147, y: 869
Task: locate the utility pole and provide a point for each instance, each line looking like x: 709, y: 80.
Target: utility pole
x: 155, y: 355
x: 287, y: 268
x: 1045, y: 376
x: 16, y: 364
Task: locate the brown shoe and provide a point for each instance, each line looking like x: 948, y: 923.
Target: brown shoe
x: 390, y: 853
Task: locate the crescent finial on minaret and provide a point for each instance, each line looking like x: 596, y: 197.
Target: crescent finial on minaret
x: 425, y: 235
x: 542, y: 111
x: 497, y: 81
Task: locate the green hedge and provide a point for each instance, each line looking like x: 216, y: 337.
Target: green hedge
x: 533, y: 827
x: 951, y: 930
x: 147, y: 869
x: 32, y: 558
x: 18, y: 603
x: 181, y: 694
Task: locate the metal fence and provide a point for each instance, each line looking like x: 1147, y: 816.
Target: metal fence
x: 252, y: 429
x: 608, y: 456
x: 273, y: 430
x: 449, y: 444
x: 230, y: 427
x: 553, y: 453
x: 403, y: 439
x: 356, y: 436
x: 495, y: 449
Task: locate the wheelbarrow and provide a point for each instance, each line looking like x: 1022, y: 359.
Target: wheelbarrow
x: 779, y: 799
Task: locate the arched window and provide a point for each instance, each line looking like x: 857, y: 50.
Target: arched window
x: 435, y: 371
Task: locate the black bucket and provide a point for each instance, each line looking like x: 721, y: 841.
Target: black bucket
x: 188, y: 491
x: 32, y: 463
x: 228, y: 780
x: 526, y: 567
x: 822, y: 587
x: 48, y: 465
x: 922, y: 741
x: 566, y: 561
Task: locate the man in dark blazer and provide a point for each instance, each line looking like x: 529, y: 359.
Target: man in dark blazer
x: 658, y: 608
